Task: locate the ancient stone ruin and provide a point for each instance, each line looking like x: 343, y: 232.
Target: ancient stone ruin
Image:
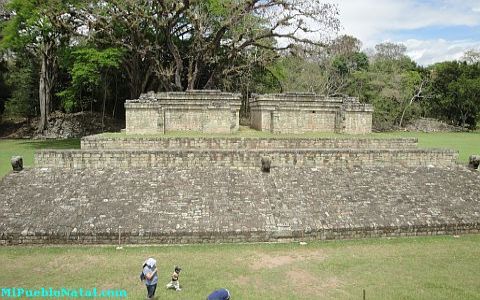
x: 305, y: 112
x: 132, y: 188
x: 212, y: 111
x: 203, y: 111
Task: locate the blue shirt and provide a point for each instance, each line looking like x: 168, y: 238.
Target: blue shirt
x: 154, y: 279
x: 221, y: 294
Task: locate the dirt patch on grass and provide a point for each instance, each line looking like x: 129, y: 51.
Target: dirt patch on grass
x: 74, y: 264
x: 307, y: 284
x: 299, y: 281
x: 295, y: 278
x: 266, y: 261
x: 243, y: 280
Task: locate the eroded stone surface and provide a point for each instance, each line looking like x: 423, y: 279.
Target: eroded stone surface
x: 230, y: 205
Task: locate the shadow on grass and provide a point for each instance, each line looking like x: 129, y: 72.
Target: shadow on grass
x: 51, y: 144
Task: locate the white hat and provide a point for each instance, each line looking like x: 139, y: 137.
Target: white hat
x: 150, y: 262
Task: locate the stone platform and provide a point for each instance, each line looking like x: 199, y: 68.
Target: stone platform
x: 183, y: 205
x: 127, y: 152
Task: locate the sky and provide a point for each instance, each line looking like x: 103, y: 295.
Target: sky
x: 432, y: 30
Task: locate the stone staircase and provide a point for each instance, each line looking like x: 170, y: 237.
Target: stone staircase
x: 123, y: 151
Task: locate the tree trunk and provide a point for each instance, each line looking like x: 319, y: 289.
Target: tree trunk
x: 116, y: 96
x: 42, y: 125
x: 417, y: 95
x: 192, y: 75
x: 139, y: 74
x: 47, y: 78
x: 104, y: 100
x: 178, y: 63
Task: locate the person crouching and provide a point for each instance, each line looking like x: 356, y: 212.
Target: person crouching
x: 174, y: 283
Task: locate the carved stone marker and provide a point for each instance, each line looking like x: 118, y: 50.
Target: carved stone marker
x: 266, y: 163
x: 474, y: 162
x: 17, y: 163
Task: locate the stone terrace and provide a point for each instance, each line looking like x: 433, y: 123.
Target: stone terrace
x: 126, y: 142
x: 180, y: 205
x: 152, y: 152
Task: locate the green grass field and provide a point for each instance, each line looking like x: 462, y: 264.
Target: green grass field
x: 402, y: 268
x: 26, y: 149
x: 467, y: 143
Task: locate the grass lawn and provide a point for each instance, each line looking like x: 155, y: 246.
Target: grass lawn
x: 467, y: 143
x: 403, y: 268
x: 27, y: 148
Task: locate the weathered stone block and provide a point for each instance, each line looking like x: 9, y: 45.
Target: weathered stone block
x: 266, y: 164
x: 474, y: 162
x: 17, y: 163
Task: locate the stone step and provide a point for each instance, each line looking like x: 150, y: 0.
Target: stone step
x: 197, y: 158
x: 97, y: 142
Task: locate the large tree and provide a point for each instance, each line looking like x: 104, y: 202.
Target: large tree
x: 195, y: 44
x: 41, y: 27
x: 455, y: 91
x: 324, y: 69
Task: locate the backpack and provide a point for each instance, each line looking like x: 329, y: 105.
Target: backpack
x: 142, y: 276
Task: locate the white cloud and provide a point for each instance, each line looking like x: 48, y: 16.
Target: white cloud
x: 375, y: 21
x: 432, y: 51
x: 371, y: 19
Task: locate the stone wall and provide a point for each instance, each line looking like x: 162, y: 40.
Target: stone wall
x: 304, y: 112
x: 210, y: 205
x: 193, y: 158
x: 357, y: 117
x: 98, y: 142
x: 144, y: 118
x: 202, y: 111
x: 179, y: 237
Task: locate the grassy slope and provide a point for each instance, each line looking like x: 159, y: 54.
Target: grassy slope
x: 405, y: 268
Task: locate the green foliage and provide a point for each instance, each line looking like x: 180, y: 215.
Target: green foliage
x: 455, y: 90
x: 218, y: 7
x: 4, y: 89
x: 35, y: 22
x: 296, y: 74
x: 327, y: 71
x: 68, y: 100
x: 14, y: 31
x: 21, y: 81
x: 390, y: 83
x: 88, y: 71
x: 90, y: 63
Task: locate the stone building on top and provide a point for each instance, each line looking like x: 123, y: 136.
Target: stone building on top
x: 307, y: 112
x: 212, y: 111
x: 207, y: 111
